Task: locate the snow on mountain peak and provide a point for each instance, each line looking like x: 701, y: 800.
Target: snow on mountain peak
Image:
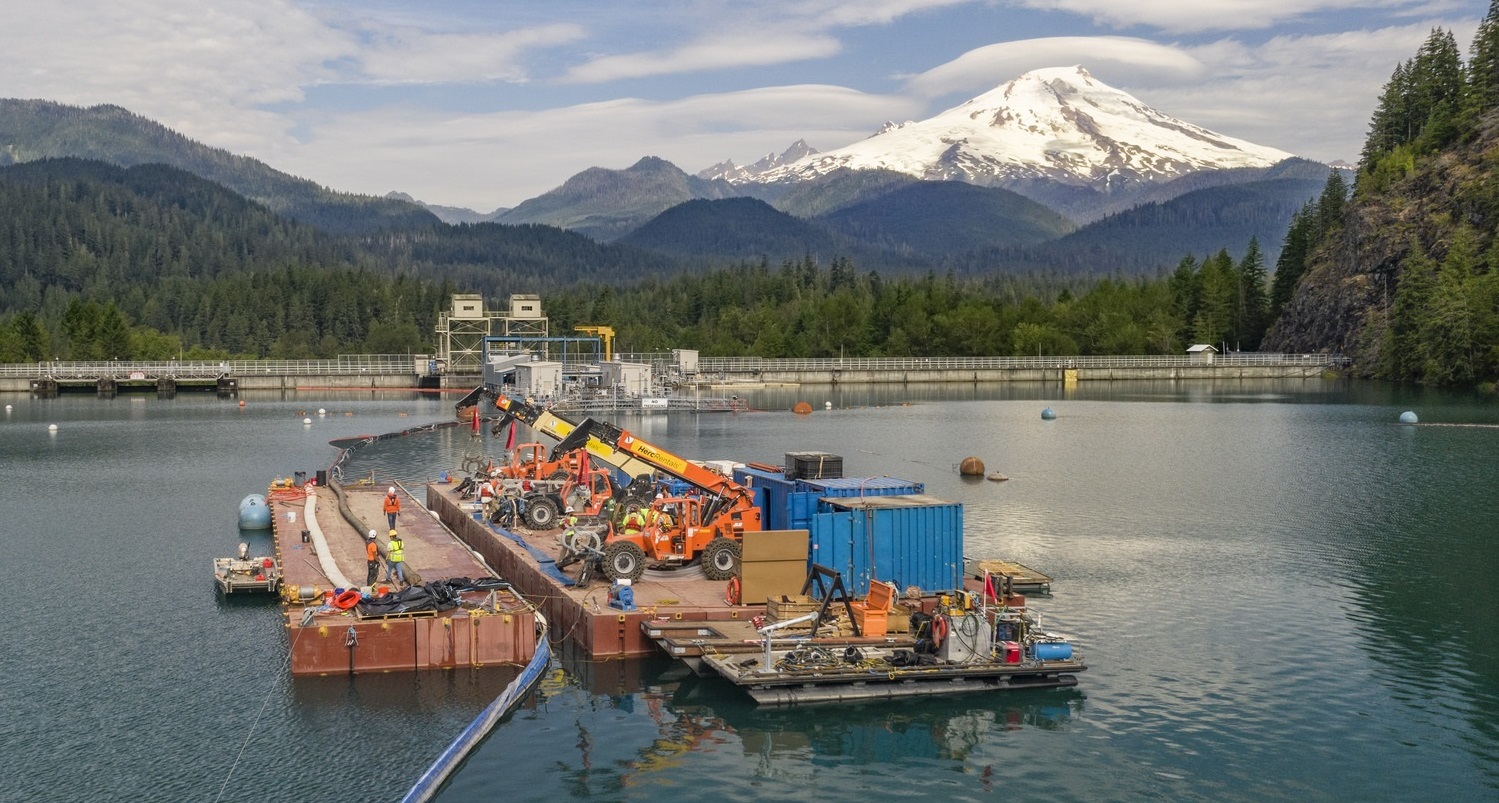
x: 1057, y: 123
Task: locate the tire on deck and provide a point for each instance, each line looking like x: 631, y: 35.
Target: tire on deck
x: 721, y: 558
x: 541, y: 513
x: 623, y: 561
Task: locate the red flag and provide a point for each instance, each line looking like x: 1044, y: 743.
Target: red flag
x: 476, y: 419
x: 510, y: 438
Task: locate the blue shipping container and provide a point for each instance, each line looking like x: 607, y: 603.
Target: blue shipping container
x: 771, y: 488
x: 804, y: 502
x: 862, y: 486
x: 910, y: 540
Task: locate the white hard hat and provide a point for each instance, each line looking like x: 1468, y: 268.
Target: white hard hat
x: 372, y: 533
x: 569, y: 509
x: 392, y: 490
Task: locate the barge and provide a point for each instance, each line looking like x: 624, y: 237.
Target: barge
x: 453, y: 612
x: 245, y: 574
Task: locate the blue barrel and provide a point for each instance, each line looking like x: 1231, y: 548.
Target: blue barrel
x: 1053, y: 651
x: 254, y: 513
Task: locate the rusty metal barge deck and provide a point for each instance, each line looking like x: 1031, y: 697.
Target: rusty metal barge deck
x: 487, y: 628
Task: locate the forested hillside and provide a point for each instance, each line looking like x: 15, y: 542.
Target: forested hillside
x: 38, y: 129
x: 150, y: 262
x: 803, y: 309
x: 945, y: 217
x: 1404, y: 276
x: 98, y: 261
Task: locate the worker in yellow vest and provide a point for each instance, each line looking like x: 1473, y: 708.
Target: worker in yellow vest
x: 634, y: 522
x: 395, y: 559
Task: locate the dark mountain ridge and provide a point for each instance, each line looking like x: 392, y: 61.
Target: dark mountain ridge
x: 39, y: 129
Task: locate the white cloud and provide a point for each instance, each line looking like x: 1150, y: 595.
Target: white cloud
x: 752, y: 35
x: 1311, y: 95
x: 1176, y: 16
x: 1112, y: 58
x: 864, y: 12
x: 199, y: 68
x: 715, y: 52
x: 410, y: 55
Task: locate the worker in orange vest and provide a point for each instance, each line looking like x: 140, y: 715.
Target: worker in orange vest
x: 392, y: 506
x: 372, y: 558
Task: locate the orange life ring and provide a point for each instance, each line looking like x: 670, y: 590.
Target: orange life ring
x: 939, y: 630
x: 731, y: 594
x: 347, y: 600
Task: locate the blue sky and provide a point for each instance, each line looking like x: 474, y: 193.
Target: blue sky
x: 485, y: 104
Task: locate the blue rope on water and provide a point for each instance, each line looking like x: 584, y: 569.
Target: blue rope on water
x: 547, y: 563
x: 450, y: 759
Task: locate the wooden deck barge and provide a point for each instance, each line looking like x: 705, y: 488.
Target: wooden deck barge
x: 583, y: 615
x: 489, y: 628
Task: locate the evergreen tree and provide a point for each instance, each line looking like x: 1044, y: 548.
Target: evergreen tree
x: 1390, y: 125
x: 1253, y: 306
x: 1213, y: 322
x: 1447, y: 326
x: 1483, y: 64
x: 1403, y: 354
x: 31, y: 338
x: 1437, y: 87
x: 1294, y: 254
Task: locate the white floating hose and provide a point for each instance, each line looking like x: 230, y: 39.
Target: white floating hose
x: 325, y: 559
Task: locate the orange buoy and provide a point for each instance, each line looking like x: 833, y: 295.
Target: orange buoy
x: 939, y: 630
x: 347, y: 600
x: 971, y: 467
x: 802, y: 408
x: 732, y: 593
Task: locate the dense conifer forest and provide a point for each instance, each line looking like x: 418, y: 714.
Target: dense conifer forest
x: 1404, y: 275
x: 1401, y: 271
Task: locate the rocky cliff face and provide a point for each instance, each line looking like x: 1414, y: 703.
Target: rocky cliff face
x: 1343, y: 301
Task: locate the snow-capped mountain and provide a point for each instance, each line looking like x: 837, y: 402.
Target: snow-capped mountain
x: 734, y: 174
x: 1054, y: 125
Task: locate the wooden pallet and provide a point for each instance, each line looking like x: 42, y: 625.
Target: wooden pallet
x: 1022, y: 577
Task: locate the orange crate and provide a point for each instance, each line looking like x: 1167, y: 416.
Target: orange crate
x: 871, y: 623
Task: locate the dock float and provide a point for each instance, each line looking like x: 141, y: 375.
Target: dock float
x: 489, y: 626
x: 1018, y: 576
x: 825, y: 674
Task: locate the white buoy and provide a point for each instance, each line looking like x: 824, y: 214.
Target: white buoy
x: 321, y: 412
x: 7, y: 408
x: 1409, y: 417
x: 827, y: 405
x: 307, y: 420
x: 51, y: 427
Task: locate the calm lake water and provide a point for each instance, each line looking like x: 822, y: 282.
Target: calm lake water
x: 1280, y: 593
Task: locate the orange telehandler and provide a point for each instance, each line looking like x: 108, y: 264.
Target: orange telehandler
x: 678, y: 529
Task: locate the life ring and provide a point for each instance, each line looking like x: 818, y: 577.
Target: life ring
x: 731, y: 594
x: 347, y: 600
x: 939, y: 630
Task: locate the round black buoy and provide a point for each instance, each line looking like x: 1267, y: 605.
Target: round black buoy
x: 971, y: 467
x: 1048, y: 414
